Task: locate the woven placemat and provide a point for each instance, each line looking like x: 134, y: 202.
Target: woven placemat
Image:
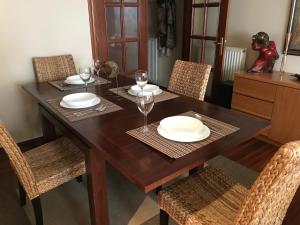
x: 62, y: 86
x: 123, y: 92
x: 175, y: 149
x: 80, y: 114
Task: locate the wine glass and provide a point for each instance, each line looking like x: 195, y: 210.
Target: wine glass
x: 97, y: 68
x: 85, y: 75
x: 141, y: 78
x: 145, y: 103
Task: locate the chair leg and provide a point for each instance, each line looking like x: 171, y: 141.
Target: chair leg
x: 37, y: 207
x: 193, y: 171
x: 79, y: 179
x: 158, y: 189
x: 22, y: 194
x: 164, y: 218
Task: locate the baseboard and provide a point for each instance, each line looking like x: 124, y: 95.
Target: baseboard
x: 264, y: 138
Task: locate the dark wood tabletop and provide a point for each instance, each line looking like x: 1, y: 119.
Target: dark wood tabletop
x: 141, y: 164
x: 144, y: 166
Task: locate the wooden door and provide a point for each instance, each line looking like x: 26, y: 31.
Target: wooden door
x: 205, y: 23
x: 119, y: 32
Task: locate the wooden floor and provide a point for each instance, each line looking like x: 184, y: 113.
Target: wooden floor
x: 254, y: 154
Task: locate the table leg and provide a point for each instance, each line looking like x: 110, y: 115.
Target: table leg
x: 48, y: 129
x: 192, y: 171
x: 97, y: 188
x: 195, y: 170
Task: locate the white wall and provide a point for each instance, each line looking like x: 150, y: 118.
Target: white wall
x: 247, y: 17
x: 36, y: 28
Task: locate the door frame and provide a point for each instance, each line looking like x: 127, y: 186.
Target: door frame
x: 97, y: 35
x: 219, y: 61
x: 187, y: 29
x: 222, y: 30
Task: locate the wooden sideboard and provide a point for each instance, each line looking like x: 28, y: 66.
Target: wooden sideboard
x: 272, y: 97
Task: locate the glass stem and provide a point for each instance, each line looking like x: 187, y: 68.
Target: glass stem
x: 145, y: 123
x: 117, y: 82
x: 98, y: 76
x: 86, y: 86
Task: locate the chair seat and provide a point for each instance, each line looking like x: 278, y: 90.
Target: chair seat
x: 205, y: 198
x: 55, y: 163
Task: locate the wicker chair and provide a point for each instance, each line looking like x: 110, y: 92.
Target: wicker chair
x: 43, y: 168
x: 210, y: 198
x: 53, y: 67
x: 189, y: 79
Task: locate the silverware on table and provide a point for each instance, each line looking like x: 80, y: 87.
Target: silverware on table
x: 101, y: 108
x: 198, y: 116
x: 63, y: 84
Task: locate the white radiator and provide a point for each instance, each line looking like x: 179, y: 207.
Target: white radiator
x: 152, y: 60
x: 234, y: 60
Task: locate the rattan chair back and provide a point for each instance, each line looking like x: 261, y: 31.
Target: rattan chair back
x: 189, y: 79
x: 18, y: 162
x: 53, y: 67
x: 271, y: 194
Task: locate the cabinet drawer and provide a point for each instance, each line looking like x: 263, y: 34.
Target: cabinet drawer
x: 252, y: 106
x: 256, y: 89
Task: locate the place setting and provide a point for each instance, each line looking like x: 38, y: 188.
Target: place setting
x: 178, y: 135
x: 142, y: 86
x: 76, y: 81
x: 78, y: 106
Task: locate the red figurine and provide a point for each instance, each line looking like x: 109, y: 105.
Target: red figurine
x: 267, y: 53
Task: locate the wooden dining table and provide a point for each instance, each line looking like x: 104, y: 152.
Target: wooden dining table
x: 104, y: 140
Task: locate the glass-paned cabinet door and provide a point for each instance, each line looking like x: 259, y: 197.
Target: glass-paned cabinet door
x: 123, y: 26
x: 120, y: 32
x: 113, y: 26
x: 205, y: 1
x: 115, y: 53
x: 131, y: 21
x: 131, y: 56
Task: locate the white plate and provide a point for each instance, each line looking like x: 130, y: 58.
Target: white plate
x: 147, y: 88
x: 76, y: 80
x: 79, y: 99
x: 135, y: 94
x: 95, y: 102
x: 205, y: 133
x: 181, y: 125
x: 135, y: 89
